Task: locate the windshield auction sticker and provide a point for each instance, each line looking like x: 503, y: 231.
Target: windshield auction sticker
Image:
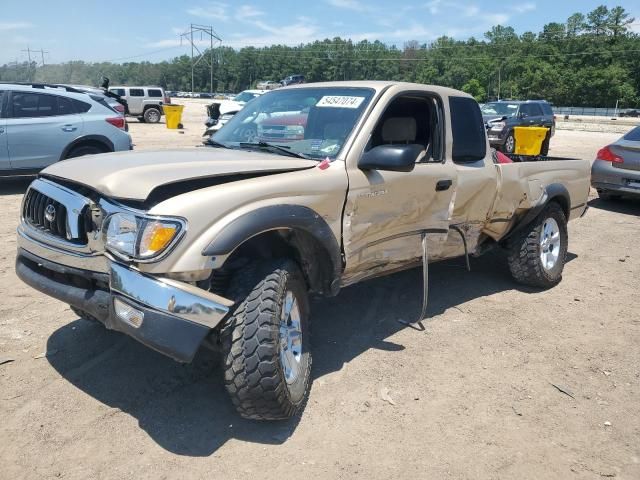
x: 340, y: 101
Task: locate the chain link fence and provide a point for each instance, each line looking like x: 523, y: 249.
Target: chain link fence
x: 592, y: 111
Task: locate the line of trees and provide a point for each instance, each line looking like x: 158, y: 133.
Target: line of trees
x: 588, y: 60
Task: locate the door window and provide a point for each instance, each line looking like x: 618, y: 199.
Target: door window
x: 530, y: 110
x: 468, y: 130
x: 136, y: 92
x: 118, y: 91
x: 33, y: 105
x: 411, y: 119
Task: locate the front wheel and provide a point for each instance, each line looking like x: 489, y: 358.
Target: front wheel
x: 266, y: 340
x: 537, y: 255
x: 510, y: 144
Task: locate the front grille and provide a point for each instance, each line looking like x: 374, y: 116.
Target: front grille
x: 49, y: 216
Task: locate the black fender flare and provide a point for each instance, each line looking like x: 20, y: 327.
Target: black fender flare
x: 101, y: 139
x: 279, y: 217
x: 554, y: 192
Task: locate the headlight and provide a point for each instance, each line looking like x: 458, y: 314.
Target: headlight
x: 498, y: 126
x: 140, y: 238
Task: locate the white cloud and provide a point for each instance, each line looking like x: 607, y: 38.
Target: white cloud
x: 434, y: 6
x: 496, y: 18
x: 247, y: 11
x: 348, y: 4
x: 524, y: 7
x: 213, y: 10
x: 6, y: 26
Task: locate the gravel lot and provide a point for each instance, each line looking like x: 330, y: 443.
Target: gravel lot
x: 472, y: 397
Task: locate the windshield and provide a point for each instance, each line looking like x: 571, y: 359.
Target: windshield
x: 245, y: 96
x: 310, y: 122
x: 500, y: 108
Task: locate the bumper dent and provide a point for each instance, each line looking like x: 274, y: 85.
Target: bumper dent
x: 169, y: 296
x: 177, y: 316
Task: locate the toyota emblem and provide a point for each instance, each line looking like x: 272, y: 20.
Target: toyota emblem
x: 50, y: 213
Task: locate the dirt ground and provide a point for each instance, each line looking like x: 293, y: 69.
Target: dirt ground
x: 473, y: 397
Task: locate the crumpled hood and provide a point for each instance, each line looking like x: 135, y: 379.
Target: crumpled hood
x: 492, y: 118
x: 134, y: 175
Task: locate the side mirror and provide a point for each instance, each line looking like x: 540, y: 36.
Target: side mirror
x: 392, y: 158
x: 522, y: 115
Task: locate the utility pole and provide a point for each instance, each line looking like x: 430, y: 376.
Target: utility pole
x: 204, y: 32
x: 42, y: 52
x: 29, y: 77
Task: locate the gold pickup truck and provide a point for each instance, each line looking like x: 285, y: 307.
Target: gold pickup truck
x: 308, y: 189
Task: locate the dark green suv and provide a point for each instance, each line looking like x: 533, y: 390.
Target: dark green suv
x: 500, y: 117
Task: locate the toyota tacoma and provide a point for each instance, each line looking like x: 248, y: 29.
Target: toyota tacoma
x: 221, y: 245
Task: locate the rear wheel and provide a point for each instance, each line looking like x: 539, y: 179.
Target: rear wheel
x: 152, y: 115
x: 537, y: 255
x: 265, y: 342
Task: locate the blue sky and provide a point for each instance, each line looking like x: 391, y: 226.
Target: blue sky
x: 149, y: 29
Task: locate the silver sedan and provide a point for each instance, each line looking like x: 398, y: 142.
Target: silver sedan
x: 616, y: 170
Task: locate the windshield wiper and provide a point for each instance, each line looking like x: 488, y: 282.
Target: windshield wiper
x: 273, y: 147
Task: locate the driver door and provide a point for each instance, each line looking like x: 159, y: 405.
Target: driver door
x: 387, y: 212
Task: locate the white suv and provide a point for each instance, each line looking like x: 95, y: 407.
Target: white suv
x: 143, y: 102
x: 42, y: 124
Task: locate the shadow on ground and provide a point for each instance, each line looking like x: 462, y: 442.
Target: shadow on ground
x: 625, y: 205
x: 184, y: 408
x: 14, y: 186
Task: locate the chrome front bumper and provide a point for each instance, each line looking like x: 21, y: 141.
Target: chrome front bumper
x: 177, y: 315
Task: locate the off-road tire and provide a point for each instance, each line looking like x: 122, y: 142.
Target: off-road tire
x: 83, y: 150
x: 253, y: 374
x: 524, y: 255
x: 152, y: 115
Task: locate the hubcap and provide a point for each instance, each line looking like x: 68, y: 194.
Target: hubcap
x: 290, y: 338
x: 549, y: 243
x: 153, y: 116
x: 510, y: 144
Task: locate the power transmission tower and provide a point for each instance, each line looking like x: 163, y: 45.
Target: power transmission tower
x: 204, y: 31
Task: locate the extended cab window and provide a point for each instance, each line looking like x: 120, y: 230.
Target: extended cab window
x: 469, y: 136
x: 155, y: 93
x: 136, y: 92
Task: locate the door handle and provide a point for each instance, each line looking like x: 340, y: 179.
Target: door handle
x: 443, y: 185
x: 69, y: 128
x: 1, y: 130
